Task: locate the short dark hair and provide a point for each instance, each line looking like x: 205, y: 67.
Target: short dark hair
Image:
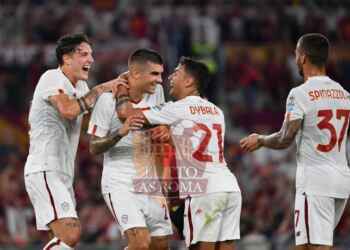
x: 145, y: 55
x: 316, y: 48
x: 199, y: 71
x: 68, y: 43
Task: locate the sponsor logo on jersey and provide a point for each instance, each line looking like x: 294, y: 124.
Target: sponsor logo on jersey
x: 125, y: 218
x: 65, y: 206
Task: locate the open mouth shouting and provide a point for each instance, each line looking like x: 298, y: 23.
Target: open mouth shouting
x: 86, y: 68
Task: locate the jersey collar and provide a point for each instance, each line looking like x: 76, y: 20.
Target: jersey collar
x: 318, y: 78
x: 70, y: 83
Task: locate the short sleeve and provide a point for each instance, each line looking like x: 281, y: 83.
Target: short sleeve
x: 51, y: 84
x: 294, y: 106
x: 162, y: 114
x: 101, y: 116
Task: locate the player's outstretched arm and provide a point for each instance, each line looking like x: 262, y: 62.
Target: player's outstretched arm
x: 279, y: 140
x: 100, y: 145
x: 71, y: 108
x: 284, y: 138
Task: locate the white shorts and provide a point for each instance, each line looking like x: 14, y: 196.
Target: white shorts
x: 52, y: 196
x: 212, y: 217
x: 315, y: 218
x: 132, y: 210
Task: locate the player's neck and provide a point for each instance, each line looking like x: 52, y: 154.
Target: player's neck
x: 135, y: 94
x: 190, y: 93
x: 314, y: 71
x: 194, y: 92
x: 69, y: 75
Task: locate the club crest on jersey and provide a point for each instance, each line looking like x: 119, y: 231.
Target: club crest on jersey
x: 158, y: 107
x: 65, y: 206
x: 290, y: 103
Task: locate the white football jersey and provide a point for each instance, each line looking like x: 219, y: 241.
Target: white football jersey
x: 198, y: 132
x: 324, y: 107
x: 53, y: 139
x: 130, y: 158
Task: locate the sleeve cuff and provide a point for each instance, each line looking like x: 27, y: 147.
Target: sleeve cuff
x: 97, y: 131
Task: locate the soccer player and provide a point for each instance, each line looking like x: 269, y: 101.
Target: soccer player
x: 143, y: 216
x: 60, y: 99
x: 197, y: 126
x: 317, y: 115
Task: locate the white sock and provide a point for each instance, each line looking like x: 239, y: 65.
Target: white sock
x: 57, y: 244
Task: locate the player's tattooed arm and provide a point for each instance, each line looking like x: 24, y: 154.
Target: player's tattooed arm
x: 282, y: 139
x: 111, y: 86
x: 279, y: 140
x: 70, y: 108
x: 124, y: 107
x: 100, y: 145
x: 67, y: 107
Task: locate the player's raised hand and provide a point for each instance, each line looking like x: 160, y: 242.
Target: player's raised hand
x: 113, y: 85
x: 160, y: 133
x: 124, y: 75
x: 123, y: 88
x: 133, y: 122
x: 250, y: 143
x: 120, y: 87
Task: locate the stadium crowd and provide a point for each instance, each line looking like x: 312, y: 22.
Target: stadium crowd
x: 251, y: 57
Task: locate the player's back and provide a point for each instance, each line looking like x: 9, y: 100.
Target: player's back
x: 322, y: 140
x: 202, y: 124
x: 209, y: 124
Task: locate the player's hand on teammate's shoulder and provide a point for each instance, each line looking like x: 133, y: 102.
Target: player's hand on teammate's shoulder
x: 121, y: 86
x: 160, y: 133
x: 124, y: 76
x: 250, y: 143
x: 115, y: 85
x: 133, y: 122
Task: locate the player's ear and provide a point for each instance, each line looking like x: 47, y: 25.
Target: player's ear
x: 189, y: 82
x: 302, y: 58
x: 134, y: 72
x: 67, y: 59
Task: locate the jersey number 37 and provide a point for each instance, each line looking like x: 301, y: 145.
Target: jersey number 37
x: 325, y: 124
